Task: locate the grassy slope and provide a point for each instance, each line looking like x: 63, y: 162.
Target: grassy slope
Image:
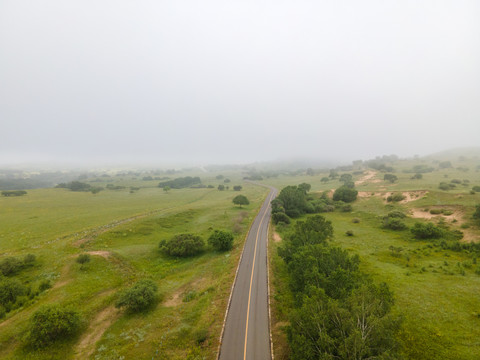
x: 441, y: 306
x: 56, y: 225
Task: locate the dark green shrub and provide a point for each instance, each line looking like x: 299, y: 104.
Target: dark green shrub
x: 476, y: 188
x: 390, y: 177
x: 393, y: 224
x: 44, y: 285
x: 417, y: 176
x: 240, y: 200
x: 426, y: 231
x: 83, y: 258
x: 221, y: 240
x: 355, y: 220
x: 10, y: 289
x: 221, y: 187
x: 345, y: 194
x: 349, y: 233
x: 436, y: 211
x: 396, y: 214
x: 446, y: 186
x: 280, y: 217
x: 29, y: 259
x: 139, y: 297
x: 396, y: 197
x: 456, y: 181
x: 346, y: 208
x: 476, y: 214
x: 52, y: 323
x: 237, y: 188
x: 182, y: 245
x: 10, y: 266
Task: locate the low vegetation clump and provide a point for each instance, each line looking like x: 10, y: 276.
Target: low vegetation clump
x: 75, y: 186
x: 426, y: 231
x: 476, y: 188
x: 83, y: 259
x: 11, y: 265
x: 390, y: 178
x: 52, y: 323
x: 14, y: 193
x: 393, y: 221
x: 396, y: 197
x: 10, y: 290
x: 476, y: 214
x: 446, y: 186
x: 183, y: 245
x: 181, y: 182
x: 221, y: 240
x: 139, y: 297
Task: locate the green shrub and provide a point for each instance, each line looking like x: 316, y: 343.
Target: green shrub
x: 139, y: 297
x: 476, y: 188
x: 355, y: 220
x: 52, y: 323
x: 393, y: 223
x: 426, y: 231
x: 345, y: 194
x: 436, y: 211
x: 349, y: 233
x: 44, y: 285
x: 10, y: 266
x: 446, y: 186
x: 396, y: 214
x: 221, y: 240
x: 83, y: 258
x: 10, y: 289
x: 182, y: 245
x: 280, y: 217
x: 396, y: 197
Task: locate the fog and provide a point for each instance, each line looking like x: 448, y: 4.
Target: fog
x: 236, y: 81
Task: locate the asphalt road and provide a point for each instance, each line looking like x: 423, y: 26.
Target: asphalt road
x: 246, y: 334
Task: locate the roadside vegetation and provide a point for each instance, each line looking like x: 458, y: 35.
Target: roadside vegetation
x: 424, y: 246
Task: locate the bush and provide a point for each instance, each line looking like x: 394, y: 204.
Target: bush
x: 396, y: 214
x: 182, y: 245
x: 14, y: 193
x: 390, y: 177
x: 83, y: 258
x: 426, y: 231
x: 346, y: 208
x: 237, y: 188
x: 221, y: 240
x: 355, y: 220
x: 417, y: 176
x: 44, y: 285
x: 345, y: 194
x: 280, y: 217
x: 29, y: 259
x: 10, y: 266
x: 349, y: 233
x: 10, y: 289
x: 396, y: 197
x: 52, y: 323
x: 446, y: 186
x: 476, y: 214
x: 139, y: 297
x: 436, y: 211
x: 393, y: 224
x: 476, y: 188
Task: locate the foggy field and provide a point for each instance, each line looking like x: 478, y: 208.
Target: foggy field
x: 121, y: 232
x: 436, y: 289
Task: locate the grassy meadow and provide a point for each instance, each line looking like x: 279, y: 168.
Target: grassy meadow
x: 121, y: 229
x: 436, y: 289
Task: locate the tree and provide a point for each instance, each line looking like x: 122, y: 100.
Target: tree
x: 345, y: 194
x: 305, y: 187
x: 426, y: 231
x: 240, y: 200
x: 10, y: 289
x: 183, y: 245
x: 221, y: 187
x: 310, y: 172
x: 237, y: 188
x: 476, y: 214
x: 390, y: 177
x: 346, y: 178
x: 221, y: 240
x: 83, y: 259
x: 52, y: 323
x: 139, y: 297
x: 166, y: 188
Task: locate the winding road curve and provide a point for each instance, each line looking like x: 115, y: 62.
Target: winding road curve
x: 246, y: 334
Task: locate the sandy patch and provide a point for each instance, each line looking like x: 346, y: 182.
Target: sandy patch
x: 276, y: 237
x: 413, y: 195
x: 367, y: 194
x: 104, y: 254
x: 469, y: 235
x: 97, y: 327
x: 369, y: 175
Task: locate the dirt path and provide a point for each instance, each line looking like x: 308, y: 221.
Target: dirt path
x: 366, y: 178
x: 102, y: 321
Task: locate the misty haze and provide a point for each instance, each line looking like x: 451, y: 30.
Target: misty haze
x: 239, y: 180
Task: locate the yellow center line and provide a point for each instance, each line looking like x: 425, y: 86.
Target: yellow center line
x: 251, y: 280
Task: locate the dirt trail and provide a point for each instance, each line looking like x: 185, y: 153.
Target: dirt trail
x: 102, y: 321
x: 366, y: 178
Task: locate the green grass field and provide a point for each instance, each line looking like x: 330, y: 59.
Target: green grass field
x: 121, y: 231
x: 436, y: 290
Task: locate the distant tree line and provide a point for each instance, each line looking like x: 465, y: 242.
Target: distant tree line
x: 14, y: 193
x: 181, y: 182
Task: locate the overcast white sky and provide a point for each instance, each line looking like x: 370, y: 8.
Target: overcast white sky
x: 236, y: 81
